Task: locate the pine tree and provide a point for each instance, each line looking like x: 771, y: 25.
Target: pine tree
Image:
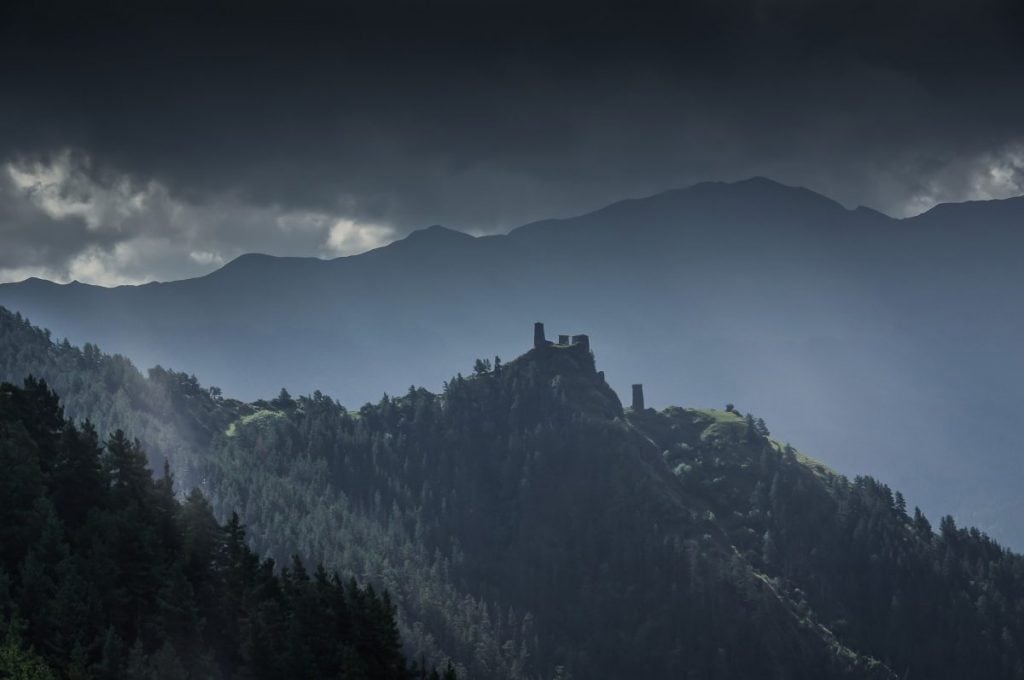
x: 76, y: 481
x: 900, y: 504
x: 202, y: 537
x: 20, y: 663
x: 124, y: 465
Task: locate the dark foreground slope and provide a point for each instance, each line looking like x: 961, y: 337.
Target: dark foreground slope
x: 530, y: 527
x: 866, y: 337
x: 105, y: 574
x: 287, y: 501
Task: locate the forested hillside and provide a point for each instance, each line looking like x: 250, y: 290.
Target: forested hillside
x: 288, y: 508
x: 528, y: 525
x: 105, y: 574
x: 817, y: 317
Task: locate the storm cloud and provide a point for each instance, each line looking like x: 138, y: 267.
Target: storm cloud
x: 143, y: 143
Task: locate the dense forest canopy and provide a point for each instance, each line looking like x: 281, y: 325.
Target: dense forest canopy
x: 528, y: 526
x: 105, y: 574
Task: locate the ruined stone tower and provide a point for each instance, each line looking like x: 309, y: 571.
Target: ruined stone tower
x: 582, y: 340
x: 538, y: 336
x: 638, y: 397
x: 564, y: 341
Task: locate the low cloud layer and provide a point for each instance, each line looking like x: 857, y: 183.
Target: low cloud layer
x: 138, y: 144
x: 63, y: 221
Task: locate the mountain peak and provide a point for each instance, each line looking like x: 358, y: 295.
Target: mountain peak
x: 260, y: 266
x: 761, y: 189
x: 762, y: 181
x: 437, y: 232
x: 748, y: 204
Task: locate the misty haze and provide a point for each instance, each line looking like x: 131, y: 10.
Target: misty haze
x: 524, y: 342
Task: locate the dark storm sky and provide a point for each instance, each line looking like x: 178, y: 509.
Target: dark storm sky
x: 158, y: 142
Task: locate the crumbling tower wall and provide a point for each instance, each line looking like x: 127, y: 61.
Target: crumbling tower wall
x: 538, y: 336
x: 582, y: 340
x: 638, y: 397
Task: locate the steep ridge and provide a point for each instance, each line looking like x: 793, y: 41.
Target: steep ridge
x: 104, y: 573
x: 530, y: 526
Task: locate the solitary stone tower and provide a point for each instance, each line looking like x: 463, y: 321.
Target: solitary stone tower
x: 538, y: 336
x: 638, y: 397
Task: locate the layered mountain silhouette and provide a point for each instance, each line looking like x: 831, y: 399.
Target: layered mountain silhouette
x: 889, y: 346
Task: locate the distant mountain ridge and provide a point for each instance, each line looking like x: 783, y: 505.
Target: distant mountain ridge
x: 888, y: 345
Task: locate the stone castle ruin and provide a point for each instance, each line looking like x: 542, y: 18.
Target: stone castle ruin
x: 540, y: 341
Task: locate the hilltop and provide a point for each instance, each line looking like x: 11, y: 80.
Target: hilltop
x: 529, y: 525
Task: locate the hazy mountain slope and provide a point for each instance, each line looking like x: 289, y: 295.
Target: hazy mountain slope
x: 889, y: 344
x: 283, y: 506
x: 475, y: 523
x: 105, y: 574
x: 525, y: 521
